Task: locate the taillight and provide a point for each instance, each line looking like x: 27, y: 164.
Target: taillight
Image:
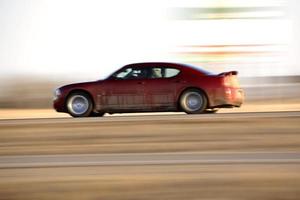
x: 231, y: 81
x: 226, y: 81
x: 235, y: 82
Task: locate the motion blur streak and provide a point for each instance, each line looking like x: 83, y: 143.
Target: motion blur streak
x: 75, y: 160
x: 250, y: 154
x: 241, y: 156
x: 228, y: 13
x: 253, y: 37
x: 52, y: 44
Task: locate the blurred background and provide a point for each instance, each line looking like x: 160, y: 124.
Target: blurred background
x: 251, y: 154
x: 44, y: 44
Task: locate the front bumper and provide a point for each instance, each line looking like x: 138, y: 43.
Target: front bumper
x: 59, y: 104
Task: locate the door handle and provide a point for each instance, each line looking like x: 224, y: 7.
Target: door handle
x: 141, y: 83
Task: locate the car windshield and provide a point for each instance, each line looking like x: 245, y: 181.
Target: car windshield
x: 110, y: 75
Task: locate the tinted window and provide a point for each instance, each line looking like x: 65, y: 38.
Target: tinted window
x: 171, y: 72
x: 161, y: 72
x: 156, y: 72
x: 123, y: 73
x: 131, y: 73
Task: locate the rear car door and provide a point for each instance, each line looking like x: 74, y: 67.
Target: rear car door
x: 161, y: 87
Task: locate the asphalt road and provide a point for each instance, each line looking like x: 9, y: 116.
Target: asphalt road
x: 76, y: 160
x: 149, y: 117
x: 172, y: 156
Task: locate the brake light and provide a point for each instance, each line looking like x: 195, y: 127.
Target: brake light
x: 231, y: 81
x: 226, y: 81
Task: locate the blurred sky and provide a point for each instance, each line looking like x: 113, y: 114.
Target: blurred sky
x: 90, y: 38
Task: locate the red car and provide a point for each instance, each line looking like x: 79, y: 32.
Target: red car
x: 151, y: 87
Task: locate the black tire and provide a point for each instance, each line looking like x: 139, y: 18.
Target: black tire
x: 96, y: 114
x: 79, y: 104
x: 211, y: 110
x: 193, y: 101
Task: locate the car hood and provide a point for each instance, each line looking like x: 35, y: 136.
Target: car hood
x: 78, y: 85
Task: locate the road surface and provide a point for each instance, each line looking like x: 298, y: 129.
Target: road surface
x: 178, y: 156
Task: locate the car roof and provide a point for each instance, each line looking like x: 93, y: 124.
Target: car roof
x: 145, y: 64
x: 170, y: 64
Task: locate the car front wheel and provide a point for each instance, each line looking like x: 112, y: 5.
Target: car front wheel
x: 193, y: 101
x: 79, y: 105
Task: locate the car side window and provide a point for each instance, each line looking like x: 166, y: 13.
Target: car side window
x: 171, y: 72
x: 156, y: 72
x: 122, y: 74
x: 161, y: 72
x: 131, y: 73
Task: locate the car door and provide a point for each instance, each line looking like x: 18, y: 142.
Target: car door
x: 125, y: 91
x: 161, y: 88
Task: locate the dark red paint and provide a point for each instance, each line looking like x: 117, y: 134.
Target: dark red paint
x: 114, y: 95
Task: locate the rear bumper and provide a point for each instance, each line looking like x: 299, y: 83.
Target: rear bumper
x: 227, y: 97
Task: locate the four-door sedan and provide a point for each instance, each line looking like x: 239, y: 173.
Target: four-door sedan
x: 151, y: 87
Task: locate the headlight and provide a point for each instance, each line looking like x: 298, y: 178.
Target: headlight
x: 57, y: 94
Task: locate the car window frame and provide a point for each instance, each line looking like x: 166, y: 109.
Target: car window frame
x: 180, y: 71
x: 112, y: 77
x: 149, y: 67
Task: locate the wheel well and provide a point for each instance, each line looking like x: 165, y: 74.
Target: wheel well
x: 191, y: 88
x: 81, y: 91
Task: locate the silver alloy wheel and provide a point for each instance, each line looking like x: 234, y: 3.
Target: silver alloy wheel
x: 193, y: 101
x: 78, y: 104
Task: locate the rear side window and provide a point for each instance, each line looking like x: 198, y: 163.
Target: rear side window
x: 171, y: 72
x: 161, y: 72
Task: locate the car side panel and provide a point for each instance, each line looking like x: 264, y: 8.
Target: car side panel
x: 206, y: 83
x: 161, y: 93
x: 118, y: 95
x: 218, y: 95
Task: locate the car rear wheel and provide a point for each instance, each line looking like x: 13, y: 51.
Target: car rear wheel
x: 79, y: 105
x: 193, y: 101
x: 96, y: 114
